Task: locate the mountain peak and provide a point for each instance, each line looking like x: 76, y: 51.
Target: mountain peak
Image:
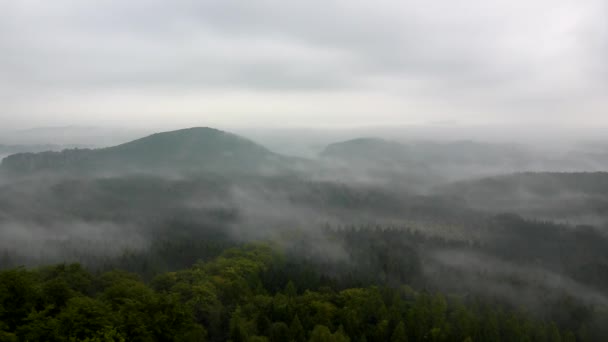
x: 194, y: 130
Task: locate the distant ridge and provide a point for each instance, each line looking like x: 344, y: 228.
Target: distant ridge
x: 185, y: 150
x: 463, y: 152
x: 366, y: 150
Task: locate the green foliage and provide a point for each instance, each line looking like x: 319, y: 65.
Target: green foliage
x: 399, y: 334
x: 278, y: 332
x: 321, y: 333
x: 19, y: 294
x: 296, y: 330
x: 227, y: 299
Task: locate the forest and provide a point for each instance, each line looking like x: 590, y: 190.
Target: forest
x: 250, y: 293
x: 159, y: 240
x: 303, y: 171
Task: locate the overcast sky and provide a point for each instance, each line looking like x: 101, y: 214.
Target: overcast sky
x: 302, y: 63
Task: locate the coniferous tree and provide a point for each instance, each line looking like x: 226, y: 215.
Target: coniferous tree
x: 296, y: 331
x: 399, y: 334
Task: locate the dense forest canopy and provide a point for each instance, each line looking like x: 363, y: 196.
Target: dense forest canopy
x: 252, y: 294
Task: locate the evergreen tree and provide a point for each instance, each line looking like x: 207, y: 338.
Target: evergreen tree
x: 321, y: 333
x: 279, y: 332
x: 296, y: 331
x: 340, y: 335
x: 399, y: 334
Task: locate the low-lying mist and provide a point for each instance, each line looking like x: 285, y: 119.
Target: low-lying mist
x: 444, y: 216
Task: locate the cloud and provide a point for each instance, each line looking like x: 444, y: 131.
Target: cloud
x: 474, y: 60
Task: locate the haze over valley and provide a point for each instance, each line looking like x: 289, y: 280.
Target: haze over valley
x: 323, y: 171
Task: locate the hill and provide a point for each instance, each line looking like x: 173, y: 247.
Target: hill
x: 423, y: 163
x: 430, y: 153
x: 579, y: 197
x: 180, y: 151
x: 367, y: 150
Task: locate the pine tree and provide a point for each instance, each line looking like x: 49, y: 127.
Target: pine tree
x: 340, y: 335
x: 399, y: 334
x: 296, y: 331
x: 279, y: 332
x: 321, y: 333
x: 290, y: 289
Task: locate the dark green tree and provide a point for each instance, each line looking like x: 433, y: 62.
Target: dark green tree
x: 296, y: 331
x: 279, y: 331
x: 399, y: 334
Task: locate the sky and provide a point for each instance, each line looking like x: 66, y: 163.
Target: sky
x: 303, y: 63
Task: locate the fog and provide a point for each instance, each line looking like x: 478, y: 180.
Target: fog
x: 473, y: 218
x: 34, y: 244
x: 457, y: 148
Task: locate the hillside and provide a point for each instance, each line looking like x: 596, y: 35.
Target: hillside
x: 430, y: 153
x: 185, y: 150
x: 329, y: 249
x: 366, y: 150
x: 422, y: 164
x: 579, y: 197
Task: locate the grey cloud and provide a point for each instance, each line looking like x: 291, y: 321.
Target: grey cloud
x: 505, y: 56
x: 119, y: 46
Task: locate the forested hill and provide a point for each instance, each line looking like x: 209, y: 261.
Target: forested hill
x: 224, y: 249
x: 428, y: 163
x: 580, y: 197
x: 186, y: 150
x: 366, y: 150
x: 427, y: 153
x: 538, y: 183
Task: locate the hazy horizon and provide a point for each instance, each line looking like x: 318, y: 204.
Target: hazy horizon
x: 196, y: 170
